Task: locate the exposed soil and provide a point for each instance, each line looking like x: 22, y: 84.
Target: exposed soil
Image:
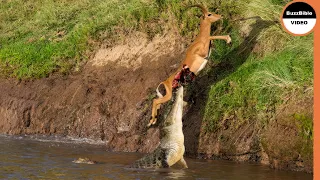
x: 279, y: 144
x: 110, y: 100
x: 285, y: 141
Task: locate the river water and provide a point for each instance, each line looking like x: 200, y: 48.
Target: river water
x: 25, y: 158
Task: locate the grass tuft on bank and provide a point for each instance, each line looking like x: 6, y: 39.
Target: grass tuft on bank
x: 40, y: 37
x: 261, y: 84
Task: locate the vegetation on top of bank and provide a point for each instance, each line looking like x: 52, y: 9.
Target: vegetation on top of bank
x: 261, y: 84
x: 264, y: 70
x: 40, y: 37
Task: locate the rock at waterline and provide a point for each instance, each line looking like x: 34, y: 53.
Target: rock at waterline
x: 84, y: 161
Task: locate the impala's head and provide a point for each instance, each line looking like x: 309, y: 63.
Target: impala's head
x: 209, y: 16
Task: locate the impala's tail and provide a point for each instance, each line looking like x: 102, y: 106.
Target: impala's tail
x: 158, y: 93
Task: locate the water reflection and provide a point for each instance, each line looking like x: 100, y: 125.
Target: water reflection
x: 29, y: 159
x: 177, y: 174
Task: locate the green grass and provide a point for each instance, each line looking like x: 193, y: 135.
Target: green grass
x: 39, y: 37
x: 278, y: 66
x: 261, y: 83
x: 305, y: 125
x: 259, y: 79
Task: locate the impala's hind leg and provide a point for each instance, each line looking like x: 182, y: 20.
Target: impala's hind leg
x: 157, y: 102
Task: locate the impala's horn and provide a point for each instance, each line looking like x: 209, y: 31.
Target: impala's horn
x: 204, y: 10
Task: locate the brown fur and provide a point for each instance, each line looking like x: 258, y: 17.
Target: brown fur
x: 195, y: 58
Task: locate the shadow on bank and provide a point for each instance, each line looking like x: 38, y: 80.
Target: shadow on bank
x: 198, y: 93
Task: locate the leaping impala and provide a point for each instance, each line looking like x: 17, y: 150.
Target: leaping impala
x: 194, y: 62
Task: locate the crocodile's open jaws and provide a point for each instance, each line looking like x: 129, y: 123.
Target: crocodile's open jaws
x: 171, y: 148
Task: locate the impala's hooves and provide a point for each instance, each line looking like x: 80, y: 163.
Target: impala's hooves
x: 152, y: 122
x: 229, y: 40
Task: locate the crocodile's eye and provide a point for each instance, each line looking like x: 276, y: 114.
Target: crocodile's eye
x: 209, y: 14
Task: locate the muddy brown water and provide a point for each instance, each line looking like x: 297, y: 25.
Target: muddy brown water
x: 27, y: 158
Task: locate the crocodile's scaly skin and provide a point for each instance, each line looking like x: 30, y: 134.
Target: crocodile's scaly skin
x: 171, y: 148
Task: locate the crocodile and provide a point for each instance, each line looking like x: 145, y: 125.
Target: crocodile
x: 171, y: 148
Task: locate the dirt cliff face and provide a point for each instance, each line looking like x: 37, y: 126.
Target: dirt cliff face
x: 109, y: 100
x: 280, y: 143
